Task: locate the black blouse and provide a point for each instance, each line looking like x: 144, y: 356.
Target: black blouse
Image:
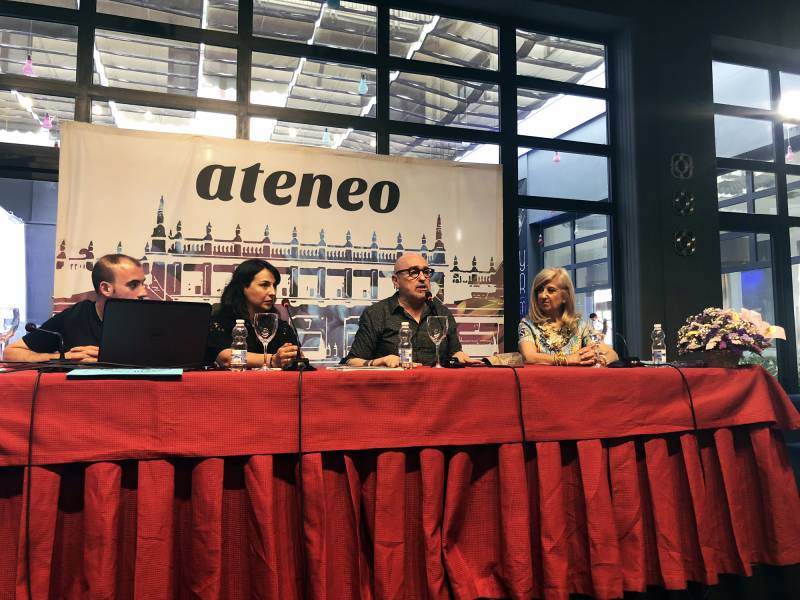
x: 219, y: 335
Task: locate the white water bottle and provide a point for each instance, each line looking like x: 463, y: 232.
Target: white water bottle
x: 659, y: 346
x: 405, y: 351
x: 239, y: 346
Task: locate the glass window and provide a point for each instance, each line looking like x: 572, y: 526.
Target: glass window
x: 563, y: 116
x: 560, y: 59
x: 558, y: 257
x: 540, y: 230
x: 348, y: 25
x: 790, y: 95
x: 557, y: 234
x: 741, y: 86
x: 168, y: 66
x: 419, y: 147
x: 312, y: 85
x: 38, y: 49
x: 794, y: 240
x: 738, y: 137
x: 791, y: 139
x: 439, y: 101
x: 33, y: 119
x: 747, y: 281
x: 170, y: 120
x: 793, y: 187
x: 338, y: 138
x: 591, y: 250
x: 438, y: 39
x: 211, y: 14
x: 61, y: 3
x: 591, y: 225
x: 746, y: 191
x: 565, y: 174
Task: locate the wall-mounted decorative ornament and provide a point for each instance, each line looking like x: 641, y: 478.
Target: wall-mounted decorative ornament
x: 683, y: 203
x: 684, y: 243
x: 681, y: 165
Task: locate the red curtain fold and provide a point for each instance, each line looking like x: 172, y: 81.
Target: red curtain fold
x: 545, y: 520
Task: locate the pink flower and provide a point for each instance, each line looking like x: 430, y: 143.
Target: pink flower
x: 764, y: 328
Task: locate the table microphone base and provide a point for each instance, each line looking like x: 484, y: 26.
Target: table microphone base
x: 299, y: 364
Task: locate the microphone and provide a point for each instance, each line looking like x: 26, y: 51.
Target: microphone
x: 626, y: 361
x: 31, y: 327
x: 298, y: 363
x: 429, y: 301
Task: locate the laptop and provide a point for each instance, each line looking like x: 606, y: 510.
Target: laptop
x: 154, y: 333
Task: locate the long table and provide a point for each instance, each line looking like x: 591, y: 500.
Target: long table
x: 422, y: 484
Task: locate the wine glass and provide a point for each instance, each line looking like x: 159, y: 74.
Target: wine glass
x: 9, y: 321
x: 437, y: 331
x: 266, y: 326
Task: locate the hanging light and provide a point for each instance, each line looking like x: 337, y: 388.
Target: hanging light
x: 27, y: 68
x: 326, y: 137
x: 47, y: 122
x: 789, y: 154
x: 363, y: 88
x: 540, y: 241
x: 556, y: 157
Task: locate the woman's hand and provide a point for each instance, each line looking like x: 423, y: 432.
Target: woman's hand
x: 582, y: 358
x: 284, y: 355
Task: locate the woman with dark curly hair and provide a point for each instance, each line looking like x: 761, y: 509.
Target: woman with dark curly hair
x: 251, y: 290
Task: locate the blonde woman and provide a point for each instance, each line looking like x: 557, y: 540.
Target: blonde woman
x: 553, y: 333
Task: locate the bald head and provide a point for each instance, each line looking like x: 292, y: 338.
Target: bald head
x: 412, y: 288
x: 410, y: 259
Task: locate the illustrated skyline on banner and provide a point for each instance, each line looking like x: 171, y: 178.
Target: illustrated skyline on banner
x: 333, y: 262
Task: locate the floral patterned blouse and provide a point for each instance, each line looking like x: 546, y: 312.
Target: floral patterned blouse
x: 548, y: 340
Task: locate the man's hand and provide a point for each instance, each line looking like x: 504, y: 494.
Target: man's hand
x: 465, y: 358
x: 390, y: 360
x: 82, y: 353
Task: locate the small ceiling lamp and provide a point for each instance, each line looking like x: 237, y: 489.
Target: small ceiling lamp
x: 47, y: 122
x: 326, y: 137
x: 556, y: 157
x: 27, y: 68
x: 789, y: 154
x: 363, y: 87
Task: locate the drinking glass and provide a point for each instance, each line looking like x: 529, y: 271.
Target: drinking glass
x: 437, y: 331
x: 266, y: 326
x: 9, y: 321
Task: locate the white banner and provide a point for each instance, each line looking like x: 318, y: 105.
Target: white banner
x: 333, y: 222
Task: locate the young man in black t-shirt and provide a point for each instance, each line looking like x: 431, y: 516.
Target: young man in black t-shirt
x: 113, y: 276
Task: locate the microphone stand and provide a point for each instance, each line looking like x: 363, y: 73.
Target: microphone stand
x: 31, y: 327
x: 298, y: 363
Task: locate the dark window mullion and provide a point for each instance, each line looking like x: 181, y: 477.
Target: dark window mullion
x: 561, y: 87
x: 85, y: 61
x: 586, y: 207
x: 244, y: 71
x: 382, y: 89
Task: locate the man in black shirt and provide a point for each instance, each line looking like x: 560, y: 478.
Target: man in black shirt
x: 378, y: 333
x: 113, y: 276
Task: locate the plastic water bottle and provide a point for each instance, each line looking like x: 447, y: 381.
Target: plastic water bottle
x: 659, y: 346
x: 405, y: 350
x: 239, y: 346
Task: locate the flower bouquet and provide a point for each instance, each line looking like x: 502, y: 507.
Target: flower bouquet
x: 723, y: 335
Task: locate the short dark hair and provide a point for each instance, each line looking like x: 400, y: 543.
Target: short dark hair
x: 233, y: 294
x: 103, y: 269
x: 592, y: 315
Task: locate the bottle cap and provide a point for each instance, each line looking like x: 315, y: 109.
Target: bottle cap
x: 404, y: 324
x: 657, y: 326
x: 240, y: 321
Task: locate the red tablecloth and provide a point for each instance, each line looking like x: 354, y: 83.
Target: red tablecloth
x: 415, y: 484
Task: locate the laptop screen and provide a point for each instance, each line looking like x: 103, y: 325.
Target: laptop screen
x: 154, y: 333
